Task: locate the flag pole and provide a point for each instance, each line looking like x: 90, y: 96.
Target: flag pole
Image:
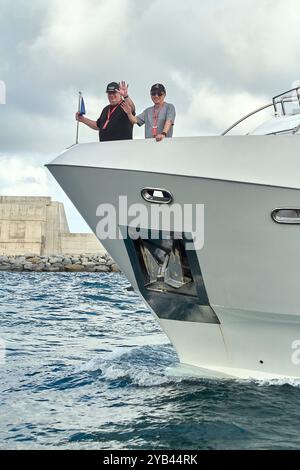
x: 79, y: 105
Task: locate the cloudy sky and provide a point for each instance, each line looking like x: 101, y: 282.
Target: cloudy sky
x: 218, y: 59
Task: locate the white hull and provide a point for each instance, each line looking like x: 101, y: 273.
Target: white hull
x: 250, y: 265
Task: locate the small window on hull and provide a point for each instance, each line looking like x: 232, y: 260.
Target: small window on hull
x: 286, y: 216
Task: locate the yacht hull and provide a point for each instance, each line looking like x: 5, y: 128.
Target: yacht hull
x: 250, y: 265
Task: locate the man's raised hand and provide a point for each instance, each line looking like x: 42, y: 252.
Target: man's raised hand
x: 123, y: 88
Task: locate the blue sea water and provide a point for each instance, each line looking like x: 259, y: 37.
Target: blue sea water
x: 87, y: 367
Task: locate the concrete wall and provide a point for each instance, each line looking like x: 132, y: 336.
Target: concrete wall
x: 22, y: 225
x: 39, y: 226
x: 78, y: 243
x: 56, y: 224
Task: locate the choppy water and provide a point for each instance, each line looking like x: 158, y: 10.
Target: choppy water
x: 88, y: 367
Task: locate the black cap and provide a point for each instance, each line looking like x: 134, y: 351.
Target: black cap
x: 113, y: 86
x: 158, y: 87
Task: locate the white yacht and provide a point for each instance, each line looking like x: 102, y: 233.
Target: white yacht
x: 230, y: 305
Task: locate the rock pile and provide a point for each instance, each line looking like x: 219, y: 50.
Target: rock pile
x: 55, y: 263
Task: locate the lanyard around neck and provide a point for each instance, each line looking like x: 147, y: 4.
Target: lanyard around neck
x: 109, y: 113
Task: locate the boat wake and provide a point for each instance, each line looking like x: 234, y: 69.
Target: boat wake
x: 140, y: 366
x: 156, y: 365
x: 280, y: 381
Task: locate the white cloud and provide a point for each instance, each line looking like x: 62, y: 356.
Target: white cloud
x: 212, y: 111
x: 22, y: 175
x: 236, y: 51
x: 76, y: 34
x: 27, y: 175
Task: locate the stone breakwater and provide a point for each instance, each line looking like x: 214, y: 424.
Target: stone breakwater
x: 55, y: 263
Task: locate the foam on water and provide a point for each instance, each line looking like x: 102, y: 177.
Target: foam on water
x: 141, y: 366
x: 279, y: 382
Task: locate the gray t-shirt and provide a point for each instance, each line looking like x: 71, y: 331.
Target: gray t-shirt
x: 166, y: 113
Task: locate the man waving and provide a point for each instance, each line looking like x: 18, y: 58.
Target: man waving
x: 113, y: 123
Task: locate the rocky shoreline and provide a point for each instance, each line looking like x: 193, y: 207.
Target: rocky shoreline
x: 59, y: 263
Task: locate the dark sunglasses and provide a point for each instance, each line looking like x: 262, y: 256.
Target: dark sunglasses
x: 158, y: 93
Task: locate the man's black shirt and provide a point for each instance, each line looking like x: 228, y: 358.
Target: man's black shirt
x: 118, y: 128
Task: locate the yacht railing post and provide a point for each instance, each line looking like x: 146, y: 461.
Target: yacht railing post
x: 245, y: 117
x: 79, y: 106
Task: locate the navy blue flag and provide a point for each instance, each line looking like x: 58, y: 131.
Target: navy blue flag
x: 82, y: 107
